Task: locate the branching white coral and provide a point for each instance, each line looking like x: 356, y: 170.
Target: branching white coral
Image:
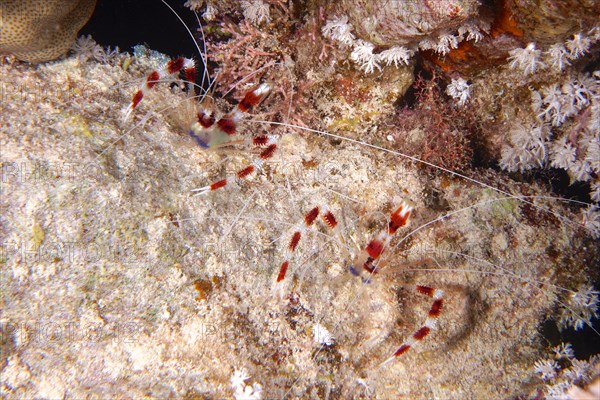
x: 581, y: 171
x: 552, y: 99
x: 559, y: 56
x: 563, y: 351
x: 85, y: 48
x: 577, y: 95
x: 446, y: 42
x: 526, y: 150
x: 240, y: 376
x: 443, y: 45
x: 362, y: 54
x: 396, y: 55
x: 256, y: 11
x: 527, y: 59
x: 590, y: 218
x: 579, y: 371
x: 243, y: 391
x: 512, y: 159
x: 575, y: 102
x: 106, y: 55
x: 339, y: 29
x: 322, y: 336
x: 558, y: 390
x: 470, y: 31
x: 562, y: 154
x: 427, y: 44
x: 561, y: 376
x: 578, y: 46
x: 460, y: 90
x: 547, y: 369
x: 562, y: 102
x: 581, y: 306
x: 84, y: 44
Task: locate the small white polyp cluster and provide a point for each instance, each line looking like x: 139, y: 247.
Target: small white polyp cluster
x: 322, y: 336
x: 558, y: 55
x: 340, y: 30
x: 256, y: 11
x: 460, y: 90
x: 243, y: 391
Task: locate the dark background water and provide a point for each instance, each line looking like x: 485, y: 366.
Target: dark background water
x: 126, y: 23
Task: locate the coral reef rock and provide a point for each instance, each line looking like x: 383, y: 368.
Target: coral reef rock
x: 41, y: 30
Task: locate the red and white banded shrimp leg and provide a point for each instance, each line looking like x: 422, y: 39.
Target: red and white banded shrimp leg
x: 366, y: 266
x: 208, y: 133
x: 327, y: 217
x: 171, y: 69
x: 430, y: 323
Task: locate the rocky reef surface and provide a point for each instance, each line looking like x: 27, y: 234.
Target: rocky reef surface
x: 118, y: 282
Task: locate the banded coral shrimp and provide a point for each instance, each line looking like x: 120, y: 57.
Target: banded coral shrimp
x: 496, y: 254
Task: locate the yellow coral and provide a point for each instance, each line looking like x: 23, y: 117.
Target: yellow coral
x: 41, y: 30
